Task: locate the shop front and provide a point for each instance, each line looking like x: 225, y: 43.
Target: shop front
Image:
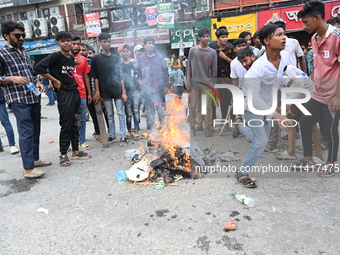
x: 41, y: 49
x: 235, y: 25
x: 294, y: 25
x: 161, y: 36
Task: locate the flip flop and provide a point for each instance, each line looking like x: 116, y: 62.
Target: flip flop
x: 302, y: 164
x: 145, y: 135
x: 269, y: 149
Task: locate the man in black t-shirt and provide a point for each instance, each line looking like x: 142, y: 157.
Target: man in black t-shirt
x: 61, y: 67
x: 106, y: 70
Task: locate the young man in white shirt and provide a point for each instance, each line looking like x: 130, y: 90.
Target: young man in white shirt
x: 294, y: 49
x: 264, y: 76
x: 237, y: 70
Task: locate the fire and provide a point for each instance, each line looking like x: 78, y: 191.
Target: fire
x: 172, y: 134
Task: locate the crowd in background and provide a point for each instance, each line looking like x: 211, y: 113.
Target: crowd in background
x: 133, y: 82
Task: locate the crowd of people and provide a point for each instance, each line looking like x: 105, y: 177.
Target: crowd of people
x: 136, y: 80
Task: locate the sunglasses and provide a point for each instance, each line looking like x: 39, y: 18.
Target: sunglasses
x: 17, y: 35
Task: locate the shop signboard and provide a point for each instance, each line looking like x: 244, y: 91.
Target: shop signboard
x: 289, y: 15
x: 165, y: 15
x: 187, y: 28
x: 41, y: 47
x: 92, y: 24
x: 235, y: 25
x: 161, y: 36
x: 151, y: 15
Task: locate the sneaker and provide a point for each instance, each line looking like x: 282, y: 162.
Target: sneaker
x: 123, y: 142
x: 14, y: 150
x: 112, y: 139
x: 49, y: 104
x: 35, y: 173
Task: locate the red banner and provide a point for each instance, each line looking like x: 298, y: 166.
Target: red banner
x: 289, y: 15
x: 92, y: 24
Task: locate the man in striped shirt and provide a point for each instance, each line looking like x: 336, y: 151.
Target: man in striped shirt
x: 16, y: 72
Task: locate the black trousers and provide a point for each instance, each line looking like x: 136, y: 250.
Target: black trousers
x: 226, y: 97
x: 69, y: 119
x: 331, y: 128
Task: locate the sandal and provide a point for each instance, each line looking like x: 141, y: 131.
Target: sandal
x: 145, y: 135
x: 244, y: 180
x: 84, y: 146
x: 326, y: 171
x: 269, y: 149
x: 81, y: 155
x: 208, y: 133
x: 123, y: 142
x: 136, y: 137
x: 303, y: 165
x: 64, y: 161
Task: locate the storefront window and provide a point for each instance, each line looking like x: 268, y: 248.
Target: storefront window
x: 201, y: 5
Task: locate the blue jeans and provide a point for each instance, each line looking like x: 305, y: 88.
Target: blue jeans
x: 132, y: 110
x: 28, y: 122
x: 110, y: 115
x: 152, y: 101
x: 7, y: 125
x: 246, y: 131
x: 259, y: 140
x: 50, y: 94
x: 82, y: 130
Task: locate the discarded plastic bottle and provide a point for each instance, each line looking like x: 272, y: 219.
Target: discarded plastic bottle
x: 244, y: 199
x: 33, y: 88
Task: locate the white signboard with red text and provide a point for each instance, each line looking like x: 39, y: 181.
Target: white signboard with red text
x: 289, y: 15
x: 160, y: 35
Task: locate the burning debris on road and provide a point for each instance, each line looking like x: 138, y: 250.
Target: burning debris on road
x: 168, y: 156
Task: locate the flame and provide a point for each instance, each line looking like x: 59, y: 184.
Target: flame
x: 141, y: 147
x: 172, y: 134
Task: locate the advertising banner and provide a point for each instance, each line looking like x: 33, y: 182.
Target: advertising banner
x: 41, y: 47
x: 235, y: 25
x: 165, y: 15
x: 92, y: 24
x: 160, y: 35
x: 289, y: 15
x: 187, y: 33
x: 151, y: 15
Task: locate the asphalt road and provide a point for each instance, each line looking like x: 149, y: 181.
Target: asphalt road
x: 90, y: 212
